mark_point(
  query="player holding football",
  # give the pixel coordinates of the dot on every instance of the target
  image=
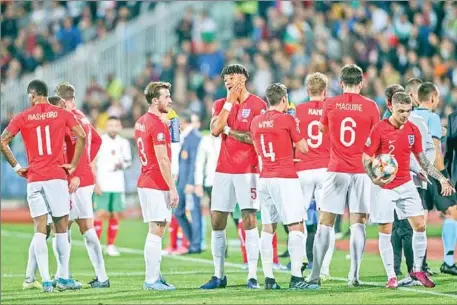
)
(236, 173)
(274, 133)
(312, 167)
(43, 129)
(156, 188)
(348, 118)
(81, 186)
(399, 137)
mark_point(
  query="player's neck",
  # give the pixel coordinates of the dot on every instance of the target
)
(394, 122)
(353, 90)
(244, 96)
(42, 101)
(276, 108)
(316, 98)
(154, 110)
(425, 105)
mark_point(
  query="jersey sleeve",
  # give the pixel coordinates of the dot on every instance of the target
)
(15, 125)
(217, 107)
(158, 134)
(324, 118)
(70, 119)
(262, 107)
(435, 126)
(375, 115)
(373, 141)
(293, 129)
(417, 145)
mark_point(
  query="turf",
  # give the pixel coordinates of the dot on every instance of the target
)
(187, 273)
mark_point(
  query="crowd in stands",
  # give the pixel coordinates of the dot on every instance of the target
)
(34, 33)
(277, 41)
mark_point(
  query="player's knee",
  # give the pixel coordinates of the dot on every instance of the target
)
(85, 225)
(115, 215)
(157, 228)
(269, 228)
(249, 219)
(218, 220)
(40, 224)
(385, 228)
(358, 218)
(327, 219)
(298, 226)
(61, 224)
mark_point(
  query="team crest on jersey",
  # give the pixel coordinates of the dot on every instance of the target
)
(161, 137)
(245, 113)
(411, 139)
(368, 143)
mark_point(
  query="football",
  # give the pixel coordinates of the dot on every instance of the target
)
(384, 166)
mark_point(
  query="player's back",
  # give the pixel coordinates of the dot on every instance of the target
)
(43, 128)
(271, 133)
(309, 115)
(350, 118)
(151, 131)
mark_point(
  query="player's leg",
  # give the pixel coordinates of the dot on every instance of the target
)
(397, 244)
(223, 202)
(332, 202)
(309, 183)
(382, 213)
(449, 237)
(156, 213)
(246, 193)
(117, 207)
(85, 221)
(196, 225)
(269, 217)
(359, 207)
(180, 214)
(101, 207)
(410, 206)
(238, 221)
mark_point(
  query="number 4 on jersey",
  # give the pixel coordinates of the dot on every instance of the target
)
(270, 154)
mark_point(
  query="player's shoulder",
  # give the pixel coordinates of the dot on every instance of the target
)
(257, 100)
(381, 124)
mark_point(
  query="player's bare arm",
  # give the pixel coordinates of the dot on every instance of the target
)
(165, 169)
(439, 162)
(6, 150)
(242, 136)
(302, 146)
(432, 171)
(77, 131)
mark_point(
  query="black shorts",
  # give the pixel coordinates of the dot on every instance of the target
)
(433, 198)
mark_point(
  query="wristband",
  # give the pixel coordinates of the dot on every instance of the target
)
(17, 167)
(228, 106)
(227, 130)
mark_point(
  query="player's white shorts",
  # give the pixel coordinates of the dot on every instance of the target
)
(155, 205)
(339, 188)
(281, 200)
(404, 199)
(229, 189)
(81, 203)
(48, 197)
(311, 181)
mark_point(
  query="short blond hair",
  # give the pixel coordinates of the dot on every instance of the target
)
(153, 90)
(316, 83)
(65, 90)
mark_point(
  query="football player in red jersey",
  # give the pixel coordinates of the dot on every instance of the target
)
(281, 198)
(348, 118)
(81, 186)
(156, 188)
(42, 127)
(399, 137)
(236, 174)
(312, 166)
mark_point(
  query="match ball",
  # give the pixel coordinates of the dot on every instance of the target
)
(384, 166)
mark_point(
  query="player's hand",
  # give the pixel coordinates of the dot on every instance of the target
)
(446, 188)
(189, 189)
(382, 181)
(23, 172)
(174, 198)
(234, 93)
(424, 176)
(198, 191)
(97, 190)
(74, 184)
(70, 168)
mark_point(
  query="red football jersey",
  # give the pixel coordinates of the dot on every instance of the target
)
(236, 157)
(399, 142)
(93, 143)
(150, 131)
(309, 115)
(349, 118)
(43, 130)
(273, 133)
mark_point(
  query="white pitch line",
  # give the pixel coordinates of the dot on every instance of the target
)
(228, 264)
